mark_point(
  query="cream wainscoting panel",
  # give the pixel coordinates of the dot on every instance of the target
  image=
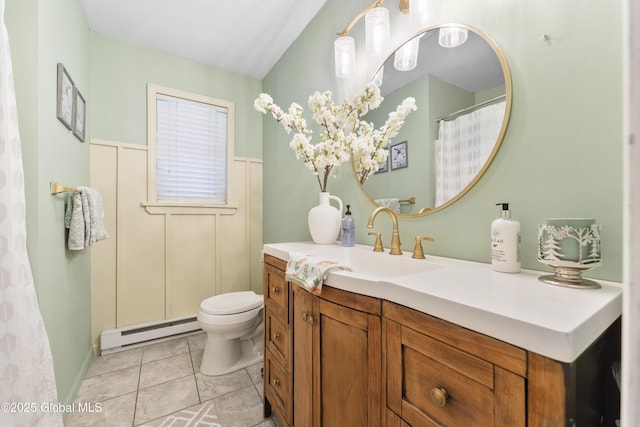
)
(104, 176)
(191, 262)
(141, 246)
(254, 196)
(161, 262)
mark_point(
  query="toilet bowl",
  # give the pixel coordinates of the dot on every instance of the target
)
(235, 329)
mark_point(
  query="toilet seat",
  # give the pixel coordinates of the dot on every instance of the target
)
(231, 303)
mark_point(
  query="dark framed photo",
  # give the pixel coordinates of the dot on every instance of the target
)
(79, 114)
(399, 156)
(383, 166)
(64, 109)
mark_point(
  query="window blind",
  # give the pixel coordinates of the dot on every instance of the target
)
(191, 151)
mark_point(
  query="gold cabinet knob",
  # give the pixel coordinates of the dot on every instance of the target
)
(275, 290)
(276, 336)
(275, 382)
(307, 317)
(439, 396)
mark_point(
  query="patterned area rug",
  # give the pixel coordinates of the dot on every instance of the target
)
(197, 416)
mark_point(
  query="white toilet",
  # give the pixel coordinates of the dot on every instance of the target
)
(235, 329)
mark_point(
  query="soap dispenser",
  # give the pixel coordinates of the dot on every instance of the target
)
(505, 242)
(348, 229)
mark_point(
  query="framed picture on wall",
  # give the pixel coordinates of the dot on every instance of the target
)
(64, 109)
(383, 166)
(79, 114)
(399, 156)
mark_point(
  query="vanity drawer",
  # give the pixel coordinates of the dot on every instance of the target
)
(277, 335)
(276, 290)
(432, 383)
(277, 386)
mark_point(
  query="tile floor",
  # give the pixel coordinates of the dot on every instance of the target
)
(160, 385)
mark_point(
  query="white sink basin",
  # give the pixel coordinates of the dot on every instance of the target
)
(375, 266)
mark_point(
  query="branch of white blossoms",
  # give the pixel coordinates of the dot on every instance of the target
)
(344, 133)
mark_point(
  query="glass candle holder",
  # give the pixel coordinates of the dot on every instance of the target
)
(570, 246)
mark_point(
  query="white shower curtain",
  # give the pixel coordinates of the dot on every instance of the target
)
(27, 385)
(462, 148)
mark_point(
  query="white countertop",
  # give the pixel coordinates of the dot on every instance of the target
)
(556, 322)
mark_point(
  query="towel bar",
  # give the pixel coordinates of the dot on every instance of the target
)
(57, 189)
(411, 200)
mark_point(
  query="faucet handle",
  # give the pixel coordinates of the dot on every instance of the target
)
(418, 253)
(377, 247)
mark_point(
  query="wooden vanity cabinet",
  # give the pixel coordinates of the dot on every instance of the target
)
(328, 369)
(344, 359)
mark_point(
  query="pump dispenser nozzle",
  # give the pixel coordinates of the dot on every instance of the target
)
(505, 210)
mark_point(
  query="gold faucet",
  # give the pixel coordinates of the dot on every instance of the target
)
(395, 238)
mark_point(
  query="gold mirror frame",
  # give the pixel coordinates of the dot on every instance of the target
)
(505, 121)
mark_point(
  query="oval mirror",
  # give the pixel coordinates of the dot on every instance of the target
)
(463, 95)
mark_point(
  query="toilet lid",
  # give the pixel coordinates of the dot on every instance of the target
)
(231, 303)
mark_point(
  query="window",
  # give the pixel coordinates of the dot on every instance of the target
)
(190, 147)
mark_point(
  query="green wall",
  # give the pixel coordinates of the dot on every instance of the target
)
(120, 73)
(43, 33)
(562, 153)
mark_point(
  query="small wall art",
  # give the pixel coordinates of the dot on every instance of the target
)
(399, 156)
(79, 114)
(64, 108)
(383, 166)
(71, 106)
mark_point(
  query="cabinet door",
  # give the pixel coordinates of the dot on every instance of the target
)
(337, 364)
(348, 372)
(302, 320)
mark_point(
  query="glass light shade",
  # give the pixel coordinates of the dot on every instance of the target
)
(377, 31)
(345, 56)
(452, 36)
(406, 58)
(421, 12)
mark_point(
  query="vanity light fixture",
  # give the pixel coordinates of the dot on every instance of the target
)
(406, 58)
(451, 37)
(421, 12)
(377, 34)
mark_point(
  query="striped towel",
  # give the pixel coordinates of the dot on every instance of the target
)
(309, 272)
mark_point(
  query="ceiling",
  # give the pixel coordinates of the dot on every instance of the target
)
(242, 36)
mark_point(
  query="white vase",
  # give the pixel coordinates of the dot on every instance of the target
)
(324, 220)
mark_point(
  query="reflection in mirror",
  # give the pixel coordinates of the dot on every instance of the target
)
(463, 96)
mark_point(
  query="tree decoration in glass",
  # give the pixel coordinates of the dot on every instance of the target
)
(570, 246)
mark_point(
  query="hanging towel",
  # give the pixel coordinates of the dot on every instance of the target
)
(309, 272)
(392, 203)
(84, 218)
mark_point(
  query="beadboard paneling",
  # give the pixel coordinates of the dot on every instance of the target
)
(160, 263)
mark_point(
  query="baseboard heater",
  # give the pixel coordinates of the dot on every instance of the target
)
(112, 340)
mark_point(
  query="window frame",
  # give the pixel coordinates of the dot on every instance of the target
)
(153, 92)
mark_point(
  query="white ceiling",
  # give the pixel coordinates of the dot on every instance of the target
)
(243, 36)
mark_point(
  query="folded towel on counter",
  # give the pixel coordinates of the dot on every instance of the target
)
(84, 217)
(309, 271)
(392, 203)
